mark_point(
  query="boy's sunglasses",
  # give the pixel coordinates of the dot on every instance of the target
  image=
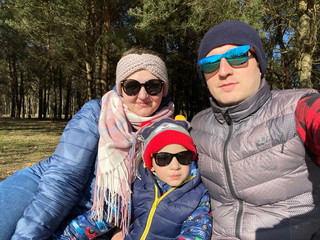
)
(164, 159)
(132, 87)
(235, 57)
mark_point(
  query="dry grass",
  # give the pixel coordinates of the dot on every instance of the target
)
(23, 142)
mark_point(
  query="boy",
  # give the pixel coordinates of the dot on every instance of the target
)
(169, 200)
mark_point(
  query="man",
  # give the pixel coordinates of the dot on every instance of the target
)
(258, 149)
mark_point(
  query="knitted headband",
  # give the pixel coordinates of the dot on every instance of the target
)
(232, 32)
(166, 131)
(131, 63)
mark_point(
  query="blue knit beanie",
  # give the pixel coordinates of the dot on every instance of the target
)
(232, 32)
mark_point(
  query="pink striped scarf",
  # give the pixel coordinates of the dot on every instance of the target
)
(117, 152)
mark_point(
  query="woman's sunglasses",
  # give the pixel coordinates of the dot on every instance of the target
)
(164, 159)
(235, 57)
(132, 87)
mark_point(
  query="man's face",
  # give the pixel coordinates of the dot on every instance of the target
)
(230, 85)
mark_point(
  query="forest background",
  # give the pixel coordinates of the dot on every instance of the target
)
(55, 54)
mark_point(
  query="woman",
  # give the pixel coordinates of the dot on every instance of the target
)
(94, 162)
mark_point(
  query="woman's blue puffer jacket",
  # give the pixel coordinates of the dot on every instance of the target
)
(67, 177)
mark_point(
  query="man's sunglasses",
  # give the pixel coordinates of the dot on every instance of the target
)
(132, 87)
(235, 57)
(164, 159)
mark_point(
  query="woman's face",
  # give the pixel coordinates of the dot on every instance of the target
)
(142, 103)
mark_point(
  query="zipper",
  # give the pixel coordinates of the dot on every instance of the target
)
(152, 211)
(227, 168)
(156, 202)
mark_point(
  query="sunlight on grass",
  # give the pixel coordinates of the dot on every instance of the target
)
(23, 142)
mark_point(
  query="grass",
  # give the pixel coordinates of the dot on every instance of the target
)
(23, 142)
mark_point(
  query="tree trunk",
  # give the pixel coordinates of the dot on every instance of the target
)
(14, 87)
(29, 107)
(89, 77)
(285, 79)
(103, 73)
(21, 107)
(68, 99)
(306, 41)
(45, 104)
(60, 94)
(104, 82)
(40, 101)
(89, 48)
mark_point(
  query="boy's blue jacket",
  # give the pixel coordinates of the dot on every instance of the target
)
(180, 213)
(67, 177)
(174, 213)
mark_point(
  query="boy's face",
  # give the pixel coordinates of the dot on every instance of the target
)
(174, 173)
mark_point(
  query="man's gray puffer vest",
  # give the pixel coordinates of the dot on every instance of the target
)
(262, 182)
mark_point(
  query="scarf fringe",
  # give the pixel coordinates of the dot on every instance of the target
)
(117, 197)
(117, 155)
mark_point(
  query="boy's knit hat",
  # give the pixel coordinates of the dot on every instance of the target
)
(232, 32)
(166, 131)
(134, 62)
